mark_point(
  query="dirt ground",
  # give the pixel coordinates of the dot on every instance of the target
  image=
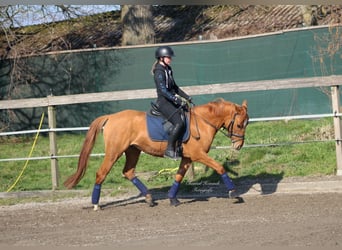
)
(272, 220)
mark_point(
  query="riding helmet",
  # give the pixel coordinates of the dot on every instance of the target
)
(164, 51)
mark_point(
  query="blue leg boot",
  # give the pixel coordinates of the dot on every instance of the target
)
(230, 186)
(144, 191)
(95, 197)
(172, 194)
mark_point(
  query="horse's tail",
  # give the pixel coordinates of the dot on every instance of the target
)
(88, 144)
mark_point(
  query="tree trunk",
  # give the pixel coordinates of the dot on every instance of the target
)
(309, 13)
(137, 23)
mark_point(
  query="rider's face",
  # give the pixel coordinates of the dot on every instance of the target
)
(167, 60)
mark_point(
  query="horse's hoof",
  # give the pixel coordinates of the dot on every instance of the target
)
(239, 200)
(174, 202)
(233, 194)
(149, 200)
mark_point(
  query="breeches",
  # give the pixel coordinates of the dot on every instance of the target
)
(173, 114)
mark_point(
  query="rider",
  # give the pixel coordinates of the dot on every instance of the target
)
(169, 104)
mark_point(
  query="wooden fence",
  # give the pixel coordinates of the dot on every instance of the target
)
(51, 101)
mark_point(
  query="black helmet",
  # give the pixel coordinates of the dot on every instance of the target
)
(164, 51)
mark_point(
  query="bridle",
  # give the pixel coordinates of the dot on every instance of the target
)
(230, 132)
(229, 129)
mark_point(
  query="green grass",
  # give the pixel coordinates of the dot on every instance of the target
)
(253, 161)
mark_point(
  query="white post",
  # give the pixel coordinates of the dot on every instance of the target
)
(338, 127)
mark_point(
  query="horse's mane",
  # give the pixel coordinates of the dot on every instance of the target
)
(216, 107)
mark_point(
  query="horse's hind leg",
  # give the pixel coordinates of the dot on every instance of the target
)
(101, 174)
(132, 157)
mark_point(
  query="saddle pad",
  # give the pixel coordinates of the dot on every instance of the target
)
(156, 129)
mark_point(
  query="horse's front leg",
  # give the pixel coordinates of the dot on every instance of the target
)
(206, 160)
(172, 194)
(141, 187)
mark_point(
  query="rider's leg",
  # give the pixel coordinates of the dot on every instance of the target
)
(174, 135)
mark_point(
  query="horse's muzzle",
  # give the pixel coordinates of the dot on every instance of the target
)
(238, 144)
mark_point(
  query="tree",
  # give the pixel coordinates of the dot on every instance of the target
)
(13, 60)
(137, 21)
(15, 21)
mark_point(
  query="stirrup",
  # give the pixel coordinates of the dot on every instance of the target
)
(179, 151)
(172, 155)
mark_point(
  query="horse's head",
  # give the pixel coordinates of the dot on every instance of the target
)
(236, 125)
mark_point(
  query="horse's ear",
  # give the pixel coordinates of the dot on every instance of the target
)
(244, 104)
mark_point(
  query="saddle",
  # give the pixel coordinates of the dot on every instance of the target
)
(158, 126)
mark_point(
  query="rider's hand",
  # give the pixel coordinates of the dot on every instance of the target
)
(184, 102)
(178, 101)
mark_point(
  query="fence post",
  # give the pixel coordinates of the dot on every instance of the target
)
(191, 172)
(335, 94)
(53, 147)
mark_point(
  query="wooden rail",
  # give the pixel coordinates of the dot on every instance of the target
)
(326, 81)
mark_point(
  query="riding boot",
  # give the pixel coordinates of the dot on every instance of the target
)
(171, 151)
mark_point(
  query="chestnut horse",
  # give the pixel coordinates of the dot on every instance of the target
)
(126, 132)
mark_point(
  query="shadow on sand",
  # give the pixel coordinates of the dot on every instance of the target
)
(209, 187)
